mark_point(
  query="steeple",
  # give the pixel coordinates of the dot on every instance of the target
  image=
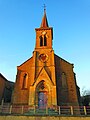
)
(44, 34)
(44, 22)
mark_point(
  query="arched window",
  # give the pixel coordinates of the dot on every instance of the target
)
(41, 41)
(25, 79)
(64, 80)
(45, 40)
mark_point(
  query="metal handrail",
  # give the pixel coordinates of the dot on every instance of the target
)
(51, 110)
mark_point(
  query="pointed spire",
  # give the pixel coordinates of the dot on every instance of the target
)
(44, 22)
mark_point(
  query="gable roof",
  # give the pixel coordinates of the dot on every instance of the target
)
(27, 61)
(63, 59)
(3, 77)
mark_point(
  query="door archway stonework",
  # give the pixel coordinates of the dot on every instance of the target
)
(42, 86)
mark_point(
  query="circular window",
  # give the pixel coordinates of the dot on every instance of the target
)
(43, 57)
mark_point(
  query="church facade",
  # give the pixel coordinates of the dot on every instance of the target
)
(45, 79)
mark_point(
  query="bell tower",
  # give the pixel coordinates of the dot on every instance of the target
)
(43, 56)
(44, 35)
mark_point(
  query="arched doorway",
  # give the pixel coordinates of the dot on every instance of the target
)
(42, 95)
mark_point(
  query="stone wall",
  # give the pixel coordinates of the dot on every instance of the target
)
(42, 118)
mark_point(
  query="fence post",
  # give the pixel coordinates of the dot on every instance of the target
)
(10, 109)
(34, 109)
(59, 110)
(46, 109)
(71, 110)
(85, 110)
(22, 110)
(2, 102)
(1, 106)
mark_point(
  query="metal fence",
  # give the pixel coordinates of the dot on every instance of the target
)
(52, 110)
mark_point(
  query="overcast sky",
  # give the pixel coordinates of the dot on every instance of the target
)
(70, 20)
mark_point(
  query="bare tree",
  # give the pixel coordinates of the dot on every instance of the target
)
(85, 97)
(85, 92)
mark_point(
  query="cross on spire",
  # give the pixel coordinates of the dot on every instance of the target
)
(44, 6)
(44, 22)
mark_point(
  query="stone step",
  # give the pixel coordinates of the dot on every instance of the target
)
(41, 112)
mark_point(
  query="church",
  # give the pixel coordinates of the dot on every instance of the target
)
(45, 79)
